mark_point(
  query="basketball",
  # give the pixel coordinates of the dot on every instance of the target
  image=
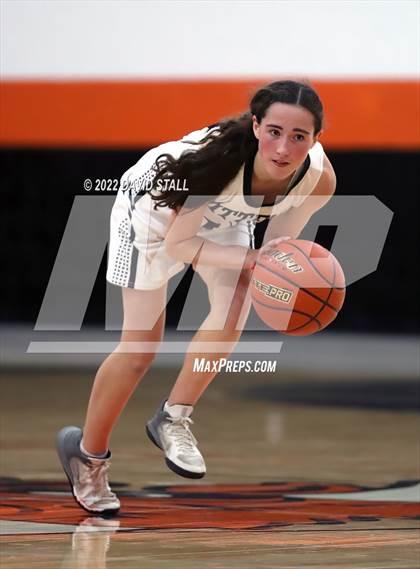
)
(298, 287)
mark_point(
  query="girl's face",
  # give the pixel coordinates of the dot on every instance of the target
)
(285, 136)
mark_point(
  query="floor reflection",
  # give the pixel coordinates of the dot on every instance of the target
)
(90, 544)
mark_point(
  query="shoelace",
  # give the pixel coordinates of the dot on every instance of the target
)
(96, 476)
(180, 430)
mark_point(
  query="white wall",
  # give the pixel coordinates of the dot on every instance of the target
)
(227, 39)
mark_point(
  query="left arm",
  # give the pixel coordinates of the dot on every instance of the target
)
(292, 222)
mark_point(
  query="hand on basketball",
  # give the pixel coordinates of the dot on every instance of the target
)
(254, 254)
(298, 287)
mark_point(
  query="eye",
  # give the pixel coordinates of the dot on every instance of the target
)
(299, 137)
(274, 132)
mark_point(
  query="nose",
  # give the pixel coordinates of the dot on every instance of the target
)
(282, 147)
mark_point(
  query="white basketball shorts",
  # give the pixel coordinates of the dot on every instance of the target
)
(137, 256)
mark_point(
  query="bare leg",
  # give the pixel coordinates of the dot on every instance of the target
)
(223, 324)
(120, 373)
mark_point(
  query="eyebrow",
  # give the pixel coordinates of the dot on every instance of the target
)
(294, 130)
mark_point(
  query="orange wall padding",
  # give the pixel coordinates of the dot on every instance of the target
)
(116, 114)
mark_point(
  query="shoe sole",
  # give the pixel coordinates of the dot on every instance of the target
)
(64, 461)
(171, 465)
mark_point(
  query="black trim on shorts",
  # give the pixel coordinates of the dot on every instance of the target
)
(133, 267)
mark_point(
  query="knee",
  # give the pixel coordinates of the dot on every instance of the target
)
(137, 363)
(141, 364)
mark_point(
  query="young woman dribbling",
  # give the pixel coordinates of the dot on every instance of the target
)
(266, 163)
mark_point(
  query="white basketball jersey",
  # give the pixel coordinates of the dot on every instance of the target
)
(137, 254)
(235, 205)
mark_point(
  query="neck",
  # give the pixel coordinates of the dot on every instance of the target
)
(262, 183)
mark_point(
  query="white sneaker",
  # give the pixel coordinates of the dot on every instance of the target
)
(169, 430)
(88, 476)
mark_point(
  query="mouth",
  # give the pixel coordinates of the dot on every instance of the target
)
(281, 163)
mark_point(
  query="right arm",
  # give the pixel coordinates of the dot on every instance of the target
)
(182, 243)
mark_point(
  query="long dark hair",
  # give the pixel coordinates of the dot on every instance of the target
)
(209, 169)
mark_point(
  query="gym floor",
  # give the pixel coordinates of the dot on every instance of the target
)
(305, 470)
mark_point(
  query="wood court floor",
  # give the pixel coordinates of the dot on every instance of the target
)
(289, 485)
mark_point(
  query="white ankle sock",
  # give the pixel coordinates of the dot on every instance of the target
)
(91, 454)
(178, 410)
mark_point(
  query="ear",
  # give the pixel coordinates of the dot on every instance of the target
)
(316, 138)
(256, 127)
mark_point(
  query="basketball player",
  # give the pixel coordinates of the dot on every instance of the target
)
(267, 162)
